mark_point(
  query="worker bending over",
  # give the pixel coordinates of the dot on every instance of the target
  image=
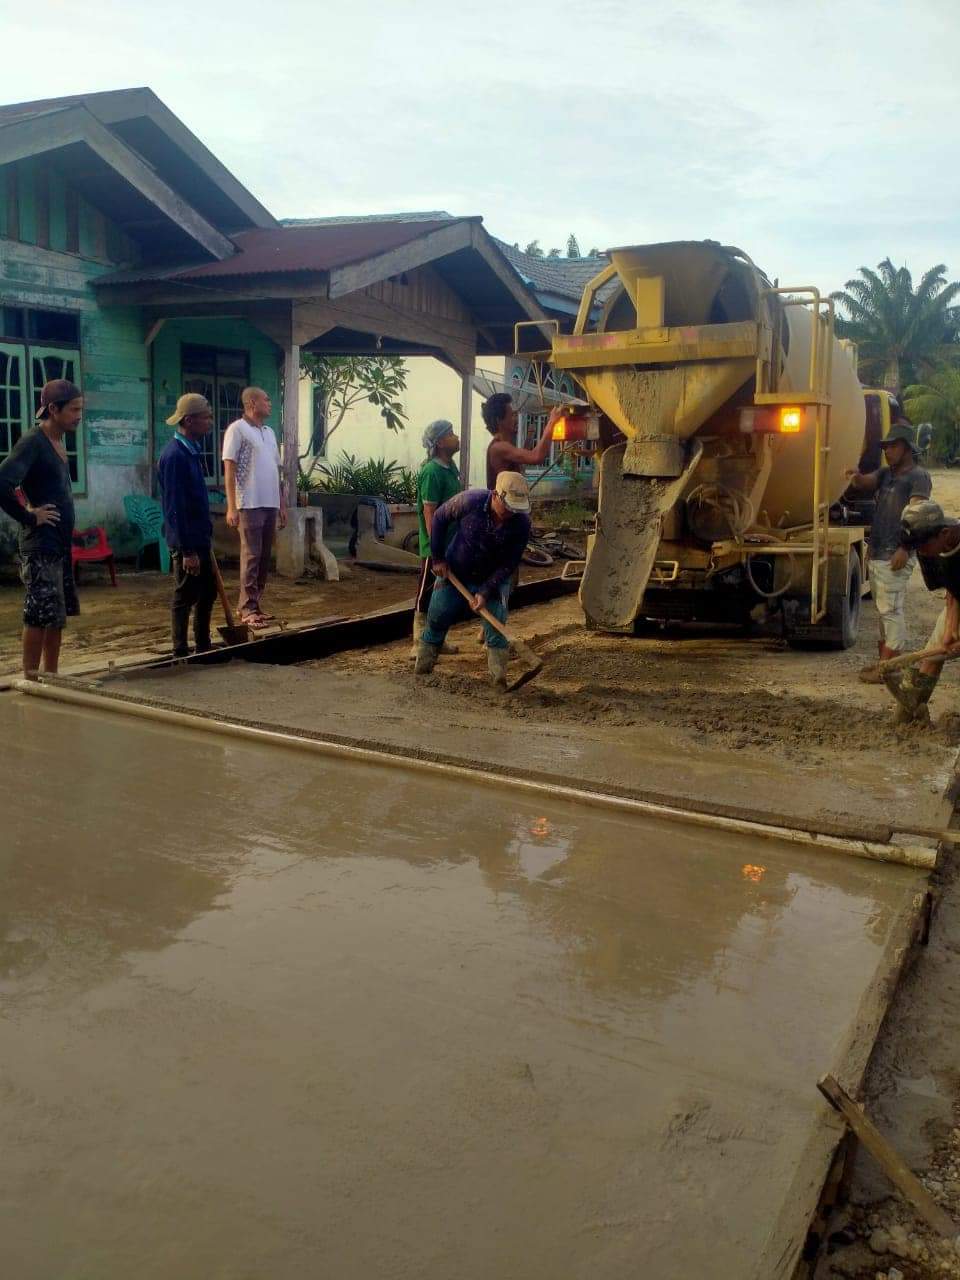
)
(935, 537)
(437, 480)
(479, 536)
(900, 481)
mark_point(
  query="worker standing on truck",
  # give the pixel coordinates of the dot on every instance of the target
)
(935, 538)
(39, 466)
(437, 480)
(503, 453)
(900, 481)
(479, 536)
(187, 526)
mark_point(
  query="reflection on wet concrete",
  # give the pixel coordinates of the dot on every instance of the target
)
(269, 1015)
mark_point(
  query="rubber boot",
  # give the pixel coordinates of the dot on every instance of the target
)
(419, 626)
(497, 666)
(912, 691)
(427, 655)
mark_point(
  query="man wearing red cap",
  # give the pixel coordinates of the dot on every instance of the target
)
(38, 466)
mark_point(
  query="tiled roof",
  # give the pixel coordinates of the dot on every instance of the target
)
(564, 277)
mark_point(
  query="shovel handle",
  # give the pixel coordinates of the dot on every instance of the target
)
(485, 614)
(221, 590)
(921, 655)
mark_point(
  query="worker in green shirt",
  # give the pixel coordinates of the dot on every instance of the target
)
(437, 481)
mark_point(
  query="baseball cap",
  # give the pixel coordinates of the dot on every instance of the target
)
(922, 520)
(58, 391)
(901, 431)
(192, 402)
(514, 491)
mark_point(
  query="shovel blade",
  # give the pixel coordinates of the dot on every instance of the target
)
(525, 676)
(239, 634)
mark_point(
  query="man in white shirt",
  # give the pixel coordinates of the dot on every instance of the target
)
(255, 499)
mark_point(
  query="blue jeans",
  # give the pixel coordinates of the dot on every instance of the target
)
(448, 606)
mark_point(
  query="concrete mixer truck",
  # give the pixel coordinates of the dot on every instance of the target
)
(734, 412)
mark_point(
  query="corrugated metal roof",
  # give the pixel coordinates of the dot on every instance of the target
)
(341, 220)
(277, 250)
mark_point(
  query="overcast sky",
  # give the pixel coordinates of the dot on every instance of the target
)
(816, 136)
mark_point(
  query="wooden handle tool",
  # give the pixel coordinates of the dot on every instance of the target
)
(532, 664)
(234, 632)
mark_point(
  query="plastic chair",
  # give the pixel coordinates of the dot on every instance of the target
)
(99, 551)
(147, 515)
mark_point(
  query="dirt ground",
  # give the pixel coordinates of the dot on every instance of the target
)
(135, 618)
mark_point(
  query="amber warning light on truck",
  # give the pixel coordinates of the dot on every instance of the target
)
(785, 420)
(575, 425)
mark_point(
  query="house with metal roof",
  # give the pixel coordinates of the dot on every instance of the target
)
(135, 263)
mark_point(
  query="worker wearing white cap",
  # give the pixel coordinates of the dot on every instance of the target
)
(479, 536)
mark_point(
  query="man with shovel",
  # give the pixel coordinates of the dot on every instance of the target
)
(187, 526)
(478, 537)
(935, 538)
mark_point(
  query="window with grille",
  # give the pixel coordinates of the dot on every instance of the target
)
(35, 347)
(540, 378)
(220, 375)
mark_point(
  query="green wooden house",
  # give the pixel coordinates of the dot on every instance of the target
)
(134, 263)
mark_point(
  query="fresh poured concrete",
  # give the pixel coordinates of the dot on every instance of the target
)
(268, 1015)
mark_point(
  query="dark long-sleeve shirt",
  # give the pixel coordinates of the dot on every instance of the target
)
(481, 551)
(183, 489)
(34, 466)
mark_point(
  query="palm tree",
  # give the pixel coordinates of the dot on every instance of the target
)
(902, 332)
(938, 401)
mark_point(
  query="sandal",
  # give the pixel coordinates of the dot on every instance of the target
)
(256, 621)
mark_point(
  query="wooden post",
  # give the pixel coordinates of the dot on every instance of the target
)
(291, 420)
(910, 1187)
(466, 415)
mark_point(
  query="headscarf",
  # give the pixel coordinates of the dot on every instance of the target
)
(434, 434)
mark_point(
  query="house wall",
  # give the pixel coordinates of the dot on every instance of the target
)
(433, 391)
(114, 367)
(231, 333)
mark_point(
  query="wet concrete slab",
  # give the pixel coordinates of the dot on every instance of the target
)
(263, 1014)
(855, 790)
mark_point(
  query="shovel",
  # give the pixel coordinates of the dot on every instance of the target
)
(534, 665)
(234, 632)
(921, 655)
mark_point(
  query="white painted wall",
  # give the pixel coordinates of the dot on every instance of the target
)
(433, 391)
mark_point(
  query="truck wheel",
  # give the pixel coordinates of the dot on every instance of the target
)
(839, 629)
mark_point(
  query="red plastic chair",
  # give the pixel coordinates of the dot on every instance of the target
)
(85, 551)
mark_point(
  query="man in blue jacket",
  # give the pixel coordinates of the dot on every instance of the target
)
(480, 536)
(186, 522)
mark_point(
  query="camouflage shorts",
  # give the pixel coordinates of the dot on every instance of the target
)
(51, 595)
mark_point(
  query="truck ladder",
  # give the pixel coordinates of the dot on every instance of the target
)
(817, 399)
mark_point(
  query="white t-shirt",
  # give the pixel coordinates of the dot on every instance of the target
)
(256, 455)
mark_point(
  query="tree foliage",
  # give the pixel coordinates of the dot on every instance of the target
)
(572, 251)
(347, 381)
(902, 332)
(938, 401)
